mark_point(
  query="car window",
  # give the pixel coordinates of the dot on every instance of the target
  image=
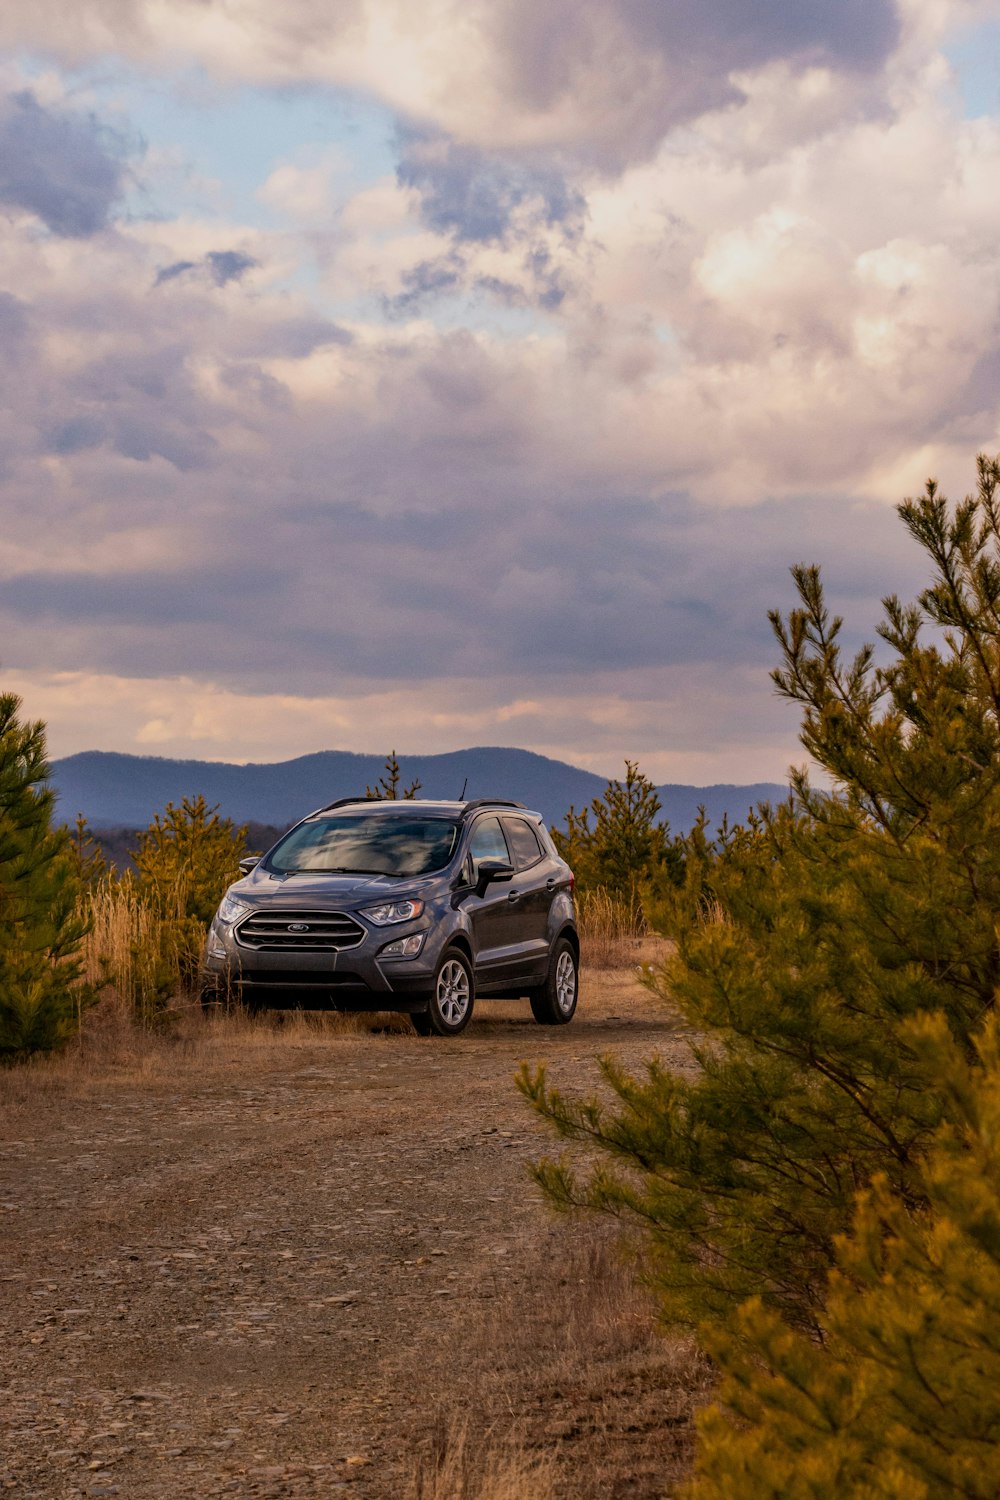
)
(523, 841)
(366, 843)
(487, 842)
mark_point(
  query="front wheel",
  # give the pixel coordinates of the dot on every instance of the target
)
(554, 1002)
(449, 1009)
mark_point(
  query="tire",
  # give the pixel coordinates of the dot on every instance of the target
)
(554, 1002)
(449, 1006)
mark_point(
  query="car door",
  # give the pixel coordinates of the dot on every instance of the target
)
(531, 894)
(493, 917)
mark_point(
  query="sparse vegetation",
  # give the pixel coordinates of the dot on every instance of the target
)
(575, 1389)
(389, 787)
(130, 951)
(625, 848)
(184, 862)
(42, 991)
(612, 929)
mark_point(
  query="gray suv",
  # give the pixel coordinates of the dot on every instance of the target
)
(422, 907)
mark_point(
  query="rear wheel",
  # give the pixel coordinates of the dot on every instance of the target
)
(554, 1002)
(449, 1009)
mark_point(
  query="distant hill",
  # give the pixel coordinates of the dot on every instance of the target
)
(124, 791)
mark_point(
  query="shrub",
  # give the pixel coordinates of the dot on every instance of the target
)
(901, 1398)
(42, 995)
(625, 846)
(806, 944)
(185, 860)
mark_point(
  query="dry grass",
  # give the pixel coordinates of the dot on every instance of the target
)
(459, 1469)
(123, 951)
(569, 1376)
(113, 1050)
(612, 929)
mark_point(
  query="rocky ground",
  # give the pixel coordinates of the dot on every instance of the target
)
(290, 1262)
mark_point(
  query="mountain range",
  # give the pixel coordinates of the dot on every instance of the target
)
(124, 791)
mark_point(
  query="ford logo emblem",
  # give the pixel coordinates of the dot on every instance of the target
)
(298, 926)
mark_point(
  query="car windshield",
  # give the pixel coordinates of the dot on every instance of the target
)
(360, 844)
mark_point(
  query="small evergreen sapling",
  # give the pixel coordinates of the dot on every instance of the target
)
(626, 845)
(42, 994)
(388, 788)
(87, 855)
(900, 1397)
(185, 860)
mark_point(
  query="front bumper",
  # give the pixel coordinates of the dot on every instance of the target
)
(356, 978)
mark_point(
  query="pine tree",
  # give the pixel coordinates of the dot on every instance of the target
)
(387, 788)
(42, 995)
(625, 845)
(808, 941)
(185, 860)
(87, 855)
(900, 1398)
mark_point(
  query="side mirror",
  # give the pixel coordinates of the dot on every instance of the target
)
(491, 870)
(250, 862)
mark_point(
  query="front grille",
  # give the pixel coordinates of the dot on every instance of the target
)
(319, 931)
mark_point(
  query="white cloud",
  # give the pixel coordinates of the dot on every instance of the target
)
(604, 77)
(241, 527)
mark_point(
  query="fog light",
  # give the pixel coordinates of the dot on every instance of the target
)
(216, 952)
(407, 947)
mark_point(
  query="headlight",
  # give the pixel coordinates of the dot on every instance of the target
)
(231, 908)
(392, 911)
(407, 947)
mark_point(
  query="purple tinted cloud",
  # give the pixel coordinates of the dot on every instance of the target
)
(221, 266)
(228, 265)
(171, 272)
(65, 167)
(851, 33)
(466, 192)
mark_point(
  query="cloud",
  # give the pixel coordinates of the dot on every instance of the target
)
(221, 267)
(66, 168)
(13, 322)
(466, 191)
(601, 80)
(598, 718)
(623, 383)
(426, 279)
(175, 269)
(228, 265)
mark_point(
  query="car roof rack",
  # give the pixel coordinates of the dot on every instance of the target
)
(468, 807)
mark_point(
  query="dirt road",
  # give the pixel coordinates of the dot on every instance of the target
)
(297, 1268)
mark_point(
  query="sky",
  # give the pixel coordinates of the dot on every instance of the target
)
(387, 375)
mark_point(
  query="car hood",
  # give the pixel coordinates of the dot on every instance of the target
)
(294, 890)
